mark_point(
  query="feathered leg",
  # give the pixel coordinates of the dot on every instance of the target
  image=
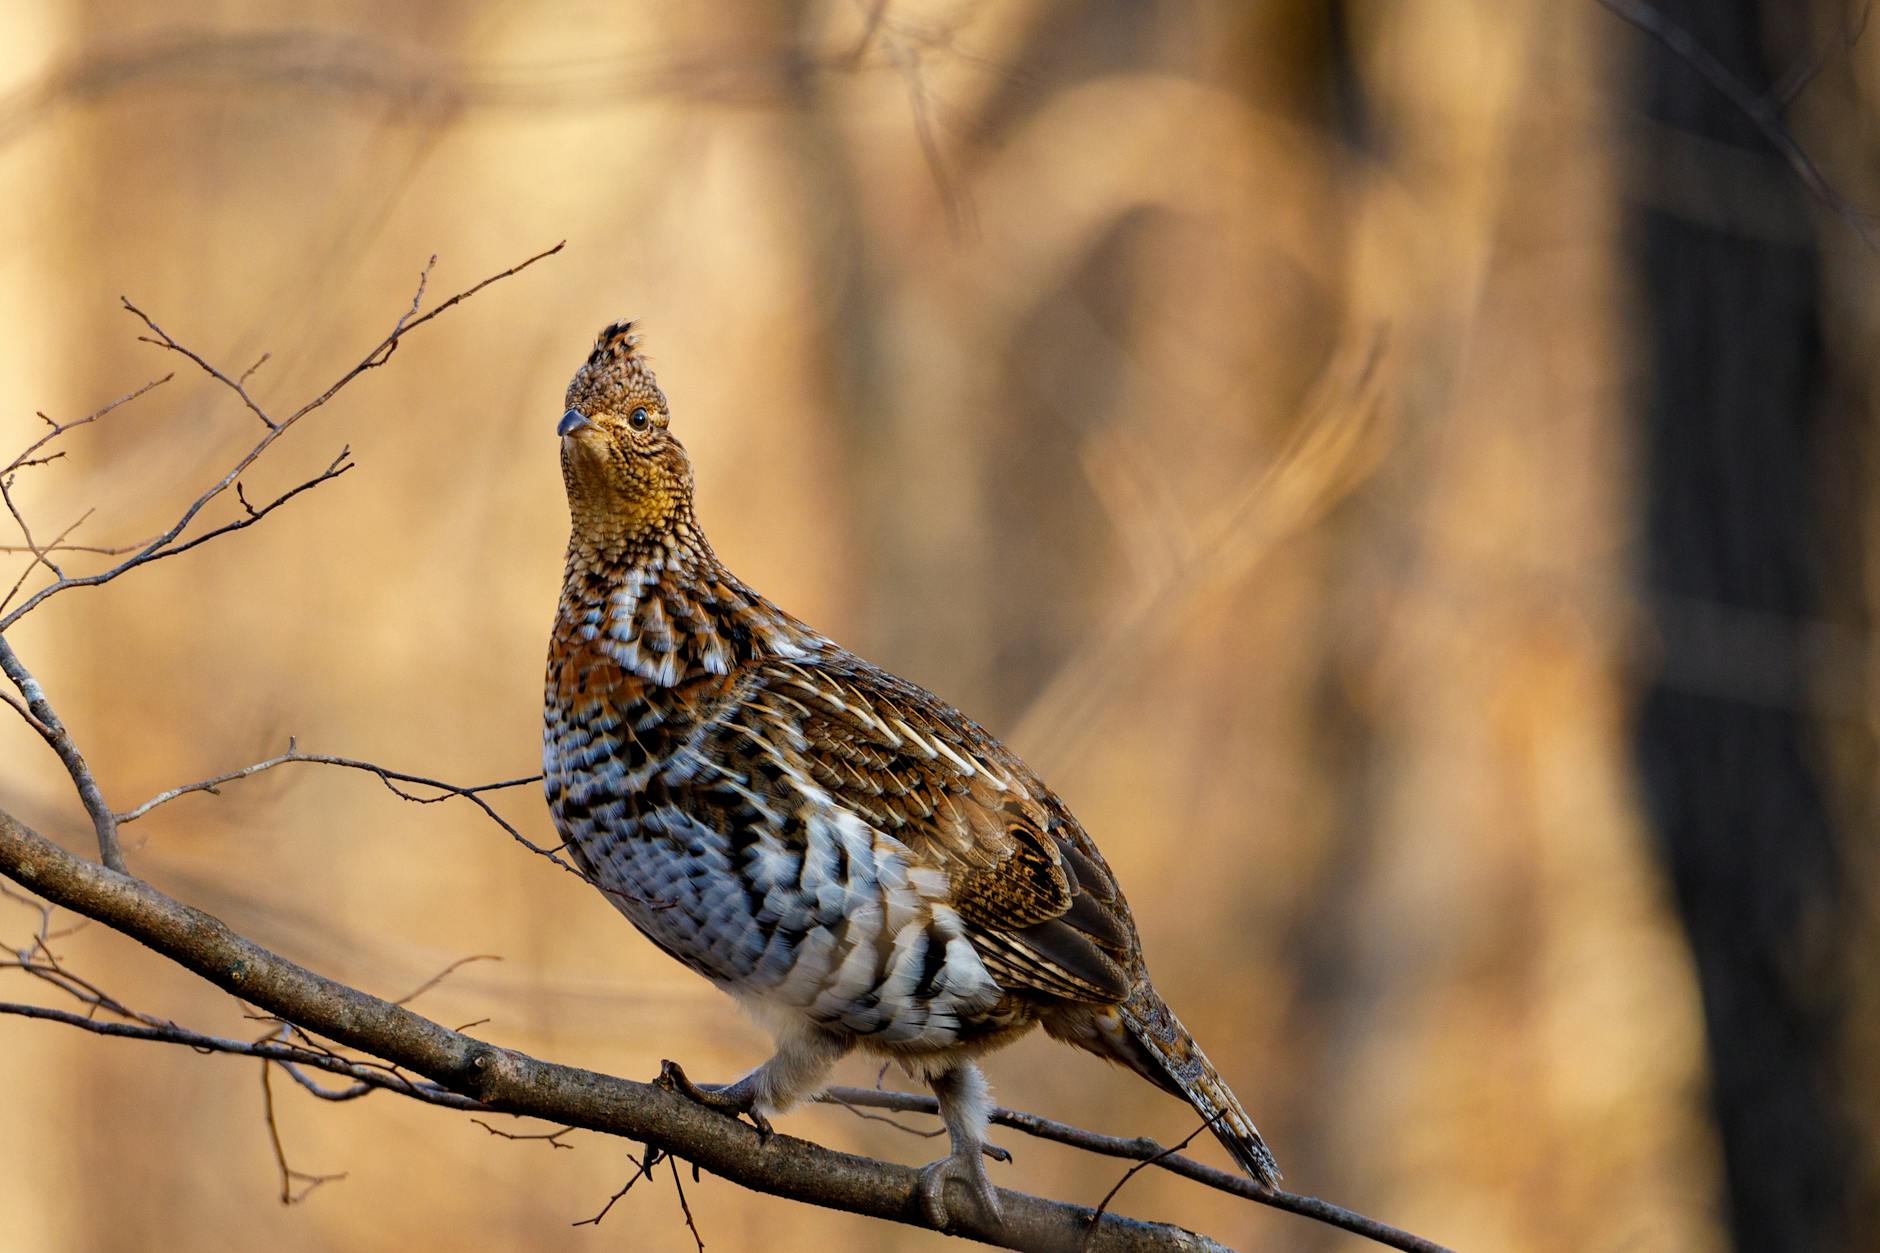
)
(797, 1071)
(964, 1106)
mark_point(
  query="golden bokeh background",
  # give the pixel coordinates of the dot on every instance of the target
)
(1258, 463)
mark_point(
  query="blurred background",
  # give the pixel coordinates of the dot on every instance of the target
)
(1403, 471)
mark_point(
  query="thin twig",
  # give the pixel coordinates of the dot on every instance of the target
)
(639, 1173)
(1103, 1206)
(1143, 1148)
(164, 544)
(429, 1093)
(60, 428)
(103, 550)
(162, 340)
(1762, 111)
(391, 779)
(288, 1173)
(685, 1208)
(444, 974)
(550, 1138)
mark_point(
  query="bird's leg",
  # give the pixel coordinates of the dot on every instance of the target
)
(798, 1070)
(964, 1106)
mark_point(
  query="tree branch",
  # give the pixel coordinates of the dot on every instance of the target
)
(1764, 112)
(104, 822)
(510, 1082)
(164, 545)
(1148, 1152)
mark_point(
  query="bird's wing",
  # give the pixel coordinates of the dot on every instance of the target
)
(1038, 903)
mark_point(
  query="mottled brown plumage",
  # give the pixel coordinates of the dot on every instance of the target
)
(854, 859)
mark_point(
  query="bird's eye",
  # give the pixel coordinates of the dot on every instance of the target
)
(638, 419)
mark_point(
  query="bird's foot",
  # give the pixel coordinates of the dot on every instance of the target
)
(966, 1165)
(729, 1099)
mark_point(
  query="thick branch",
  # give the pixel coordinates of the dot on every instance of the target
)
(513, 1083)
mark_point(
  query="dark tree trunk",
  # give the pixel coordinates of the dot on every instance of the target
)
(1731, 429)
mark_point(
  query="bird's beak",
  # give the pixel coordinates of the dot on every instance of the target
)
(572, 421)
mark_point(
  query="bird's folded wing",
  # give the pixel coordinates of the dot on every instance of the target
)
(1039, 905)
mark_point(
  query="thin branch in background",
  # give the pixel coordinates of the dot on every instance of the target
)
(896, 1123)
(639, 1173)
(29, 902)
(444, 974)
(1336, 445)
(20, 708)
(39, 551)
(161, 338)
(285, 1055)
(1144, 1148)
(165, 544)
(1796, 81)
(550, 1138)
(104, 550)
(391, 779)
(289, 1176)
(1764, 112)
(962, 219)
(250, 371)
(684, 1207)
(1103, 1206)
(871, 23)
(26, 457)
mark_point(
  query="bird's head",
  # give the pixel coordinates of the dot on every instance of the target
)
(627, 477)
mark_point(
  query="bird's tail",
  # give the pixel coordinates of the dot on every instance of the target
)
(1168, 1057)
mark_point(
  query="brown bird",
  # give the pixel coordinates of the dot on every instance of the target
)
(853, 859)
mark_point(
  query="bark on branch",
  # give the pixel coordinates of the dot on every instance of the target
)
(514, 1083)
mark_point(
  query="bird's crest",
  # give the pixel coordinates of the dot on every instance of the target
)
(616, 371)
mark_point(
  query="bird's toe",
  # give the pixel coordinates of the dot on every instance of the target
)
(969, 1168)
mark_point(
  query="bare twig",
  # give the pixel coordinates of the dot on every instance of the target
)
(1144, 1149)
(161, 338)
(20, 709)
(165, 544)
(684, 1207)
(289, 1176)
(289, 1055)
(391, 779)
(1103, 1206)
(46, 722)
(444, 974)
(550, 1138)
(639, 1173)
(1764, 112)
(60, 428)
(104, 550)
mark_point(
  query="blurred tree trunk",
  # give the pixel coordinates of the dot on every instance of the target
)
(1733, 431)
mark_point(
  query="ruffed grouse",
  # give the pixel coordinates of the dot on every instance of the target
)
(850, 857)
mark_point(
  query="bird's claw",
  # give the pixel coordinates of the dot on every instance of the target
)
(969, 1168)
(729, 1099)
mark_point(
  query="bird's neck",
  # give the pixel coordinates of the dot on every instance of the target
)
(660, 607)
